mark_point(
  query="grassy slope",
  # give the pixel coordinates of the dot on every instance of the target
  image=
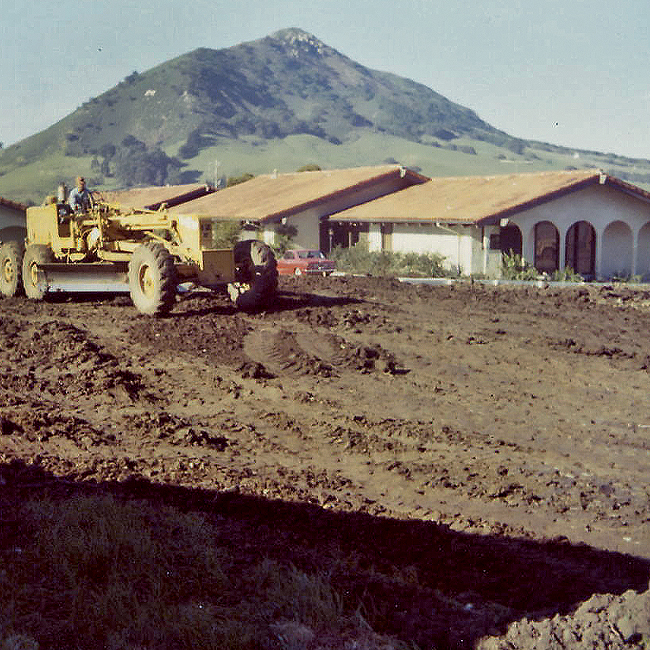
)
(238, 156)
(34, 181)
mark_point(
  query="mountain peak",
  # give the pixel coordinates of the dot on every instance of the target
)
(289, 83)
(297, 42)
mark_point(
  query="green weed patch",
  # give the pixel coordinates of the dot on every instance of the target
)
(99, 573)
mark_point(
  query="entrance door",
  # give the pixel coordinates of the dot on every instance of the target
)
(510, 239)
(387, 236)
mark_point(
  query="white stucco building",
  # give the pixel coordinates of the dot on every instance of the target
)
(597, 225)
(304, 200)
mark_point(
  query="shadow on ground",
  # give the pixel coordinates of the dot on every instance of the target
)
(416, 580)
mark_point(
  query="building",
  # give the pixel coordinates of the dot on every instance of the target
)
(305, 200)
(596, 224)
(12, 221)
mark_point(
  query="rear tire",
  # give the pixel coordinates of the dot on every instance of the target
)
(11, 269)
(152, 279)
(34, 255)
(256, 266)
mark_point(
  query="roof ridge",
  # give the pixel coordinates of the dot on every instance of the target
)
(546, 172)
(335, 170)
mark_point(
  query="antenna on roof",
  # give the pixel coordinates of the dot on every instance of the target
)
(216, 174)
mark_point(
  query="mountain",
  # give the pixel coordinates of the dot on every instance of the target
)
(284, 99)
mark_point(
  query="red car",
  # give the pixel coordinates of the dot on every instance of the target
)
(297, 262)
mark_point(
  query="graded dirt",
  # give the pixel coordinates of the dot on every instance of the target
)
(491, 444)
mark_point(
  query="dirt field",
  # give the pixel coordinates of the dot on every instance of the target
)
(493, 443)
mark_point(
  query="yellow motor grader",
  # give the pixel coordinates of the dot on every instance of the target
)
(147, 253)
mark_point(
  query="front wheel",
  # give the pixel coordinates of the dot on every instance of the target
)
(34, 255)
(152, 279)
(11, 271)
(257, 271)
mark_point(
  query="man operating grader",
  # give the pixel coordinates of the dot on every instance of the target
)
(79, 199)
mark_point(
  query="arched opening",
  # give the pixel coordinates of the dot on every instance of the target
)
(643, 253)
(580, 249)
(617, 251)
(510, 239)
(547, 247)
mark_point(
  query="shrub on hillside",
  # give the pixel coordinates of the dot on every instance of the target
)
(236, 180)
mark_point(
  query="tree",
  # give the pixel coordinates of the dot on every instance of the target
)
(135, 164)
(107, 152)
(132, 78)
(236, 180)
(517, 146)
(192, 145)
(225, 233)
(285, 233)
(131, 142)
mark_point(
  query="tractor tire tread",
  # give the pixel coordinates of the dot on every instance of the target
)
(11, 252)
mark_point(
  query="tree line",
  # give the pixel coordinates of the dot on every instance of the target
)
(132, 162)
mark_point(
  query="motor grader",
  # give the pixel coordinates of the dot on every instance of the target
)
(148, 253)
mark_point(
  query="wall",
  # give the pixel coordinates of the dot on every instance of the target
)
(308, 221)
(466, 247)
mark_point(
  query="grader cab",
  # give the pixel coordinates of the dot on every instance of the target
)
(147, 253)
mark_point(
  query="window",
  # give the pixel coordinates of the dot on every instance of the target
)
(510, 239)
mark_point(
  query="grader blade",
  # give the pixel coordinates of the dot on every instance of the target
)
(83, 277)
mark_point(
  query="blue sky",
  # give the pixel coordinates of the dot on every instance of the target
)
(569, 72)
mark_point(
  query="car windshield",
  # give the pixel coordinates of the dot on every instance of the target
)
(303, 255)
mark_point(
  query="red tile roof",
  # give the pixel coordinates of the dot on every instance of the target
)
(471, 199)
(13, 205)
(273, 196)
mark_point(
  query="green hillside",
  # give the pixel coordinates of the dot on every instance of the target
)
(276, 103)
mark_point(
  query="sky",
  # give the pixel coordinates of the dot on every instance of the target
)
(569, 72)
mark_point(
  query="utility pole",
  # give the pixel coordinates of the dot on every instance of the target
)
(216, 174)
